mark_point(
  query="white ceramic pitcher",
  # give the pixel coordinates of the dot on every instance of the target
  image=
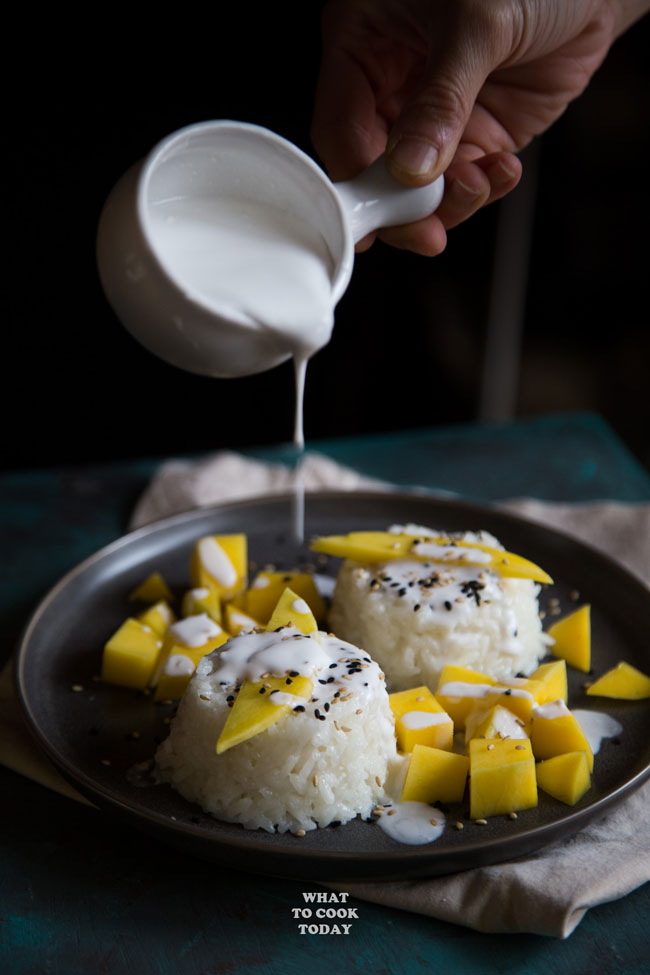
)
(235, 160)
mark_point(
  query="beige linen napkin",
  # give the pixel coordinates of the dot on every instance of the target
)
(546, 893)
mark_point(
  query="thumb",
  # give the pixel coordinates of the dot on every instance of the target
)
(424, 139)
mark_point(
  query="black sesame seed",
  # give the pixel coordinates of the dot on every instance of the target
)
(367, 660)
(321, 717)
(293, 673)
(337, 694)
(288, 681)
(447, 604)
(508, 692)
(316, 713)
(416, 607)
(262, 690)
(321, 681)
(326, 706)
(299, 707)
(401, 592)
(332, 666)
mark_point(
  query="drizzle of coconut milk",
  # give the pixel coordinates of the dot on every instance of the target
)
(596, 726)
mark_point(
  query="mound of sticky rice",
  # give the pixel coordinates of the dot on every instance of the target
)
(324, 761)
(414, 617)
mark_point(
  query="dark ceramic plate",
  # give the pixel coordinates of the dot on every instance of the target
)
(96, 735)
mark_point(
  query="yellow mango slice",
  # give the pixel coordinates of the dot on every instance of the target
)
(267, 587)
(555, 731)
(374, 547)
(237, 620)
(204, 599)
(152, 590)
(158, 617)
(131, 654)
(572, 636)
(502, 777)
(624, 683)
(420, 720)
(292, 610)
(220, 562)
(552, 677)
(435, 775)
(494, 722)
(254, 710)
(565, 777)
(190, 638)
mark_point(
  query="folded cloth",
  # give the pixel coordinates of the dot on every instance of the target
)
(545, 893)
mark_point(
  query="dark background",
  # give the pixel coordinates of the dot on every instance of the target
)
(410, 332)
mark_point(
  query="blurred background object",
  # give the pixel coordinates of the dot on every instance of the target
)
(556, 276)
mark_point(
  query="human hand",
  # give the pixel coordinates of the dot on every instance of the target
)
(453, 86)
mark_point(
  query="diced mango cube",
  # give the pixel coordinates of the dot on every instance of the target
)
(565, 777)
(152, 590)
(432, 728)
(554, 681)
(292, 610)
(502, 777)
(131, 655)
(459, 696)
(415, 699)
(267, 587)
(158, 617)
(204, 599)
(177, 668)
(494, 722)
(572, 636)
(237, 620)
(191, 638)
(254, 709)
(556, 730)
(435, 775)
(220, 562)
(623, 682)
(533, 687)
(420, 720)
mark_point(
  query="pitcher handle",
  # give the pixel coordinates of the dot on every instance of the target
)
(375, 199)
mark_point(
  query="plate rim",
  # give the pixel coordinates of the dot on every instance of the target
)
(569, 823)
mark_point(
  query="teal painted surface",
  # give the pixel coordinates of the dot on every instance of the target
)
(79, 893)
(86, 895)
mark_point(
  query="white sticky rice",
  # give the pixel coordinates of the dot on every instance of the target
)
(468, 616)
(309, 769)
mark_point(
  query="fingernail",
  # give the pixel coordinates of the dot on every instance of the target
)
(462, 193)
(417, 157)
(503, 173)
